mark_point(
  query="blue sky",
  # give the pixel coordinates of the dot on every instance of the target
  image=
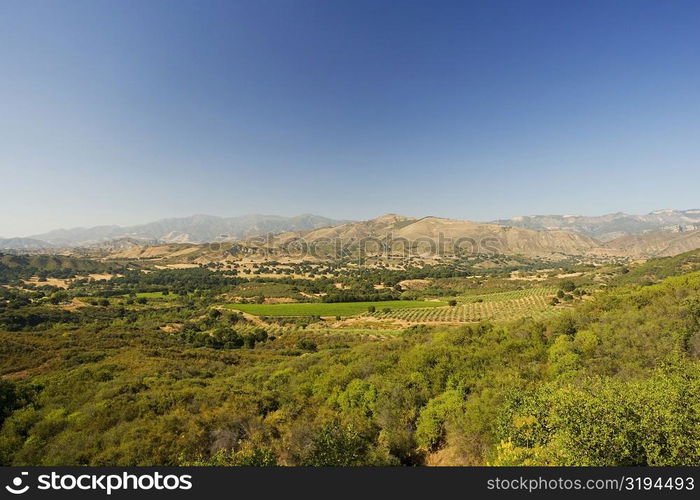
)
(122, 112)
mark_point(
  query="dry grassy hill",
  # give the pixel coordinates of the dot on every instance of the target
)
(424, 237)
(656, 244)
(430, 234)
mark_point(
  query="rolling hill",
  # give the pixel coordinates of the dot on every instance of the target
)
(429, 235)
(656, 244)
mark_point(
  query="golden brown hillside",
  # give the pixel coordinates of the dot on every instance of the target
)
(656, 244)
(433, 234)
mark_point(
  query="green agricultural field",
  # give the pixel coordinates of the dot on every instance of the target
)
(501, 306)
(509, 295)
(329, 308)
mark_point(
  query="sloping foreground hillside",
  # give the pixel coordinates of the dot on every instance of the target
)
(614, 382)
(655, 270)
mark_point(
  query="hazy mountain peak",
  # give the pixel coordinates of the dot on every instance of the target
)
(611, 226)
(199, 228)
(390, 218)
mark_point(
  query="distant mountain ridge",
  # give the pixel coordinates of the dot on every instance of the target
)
(26, 244)
(194, 229)
(659, 233)
(611, 226)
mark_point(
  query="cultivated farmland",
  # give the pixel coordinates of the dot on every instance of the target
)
(330, 308)
(502, 306)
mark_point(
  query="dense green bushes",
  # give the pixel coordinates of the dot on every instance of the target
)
(654, 421)
(613, 382)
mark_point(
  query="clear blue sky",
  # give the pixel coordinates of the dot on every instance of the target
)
(128, 111)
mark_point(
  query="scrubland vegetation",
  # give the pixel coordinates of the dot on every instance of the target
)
(563, 364)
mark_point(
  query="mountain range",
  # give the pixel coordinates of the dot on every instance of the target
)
(606, 228)
(431, 234)
(435, 234)
(659, 233)
(194, 229)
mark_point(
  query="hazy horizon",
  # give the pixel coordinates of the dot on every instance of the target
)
(129, 112)
(416, 215)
